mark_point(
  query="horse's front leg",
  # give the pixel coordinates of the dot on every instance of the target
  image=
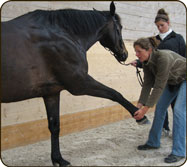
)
(52, 107)
(86, 85)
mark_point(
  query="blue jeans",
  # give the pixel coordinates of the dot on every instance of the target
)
(179, 119)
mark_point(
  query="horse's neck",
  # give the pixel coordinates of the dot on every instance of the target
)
(87, 28)
(90, 40)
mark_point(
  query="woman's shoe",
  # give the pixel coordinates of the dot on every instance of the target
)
(143, 121)
(172, 158)
(146, 147)
(165, 133)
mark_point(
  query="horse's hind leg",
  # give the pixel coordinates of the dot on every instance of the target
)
(52, 107)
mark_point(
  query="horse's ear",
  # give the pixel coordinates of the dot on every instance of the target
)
(112, 8)
(94, 9)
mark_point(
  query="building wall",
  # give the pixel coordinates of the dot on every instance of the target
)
(137, 20)
(137, 16)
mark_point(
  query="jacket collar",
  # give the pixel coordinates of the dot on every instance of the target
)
(151, 57)
(171, 35)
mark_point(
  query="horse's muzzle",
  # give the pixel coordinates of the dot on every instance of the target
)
(122, 57)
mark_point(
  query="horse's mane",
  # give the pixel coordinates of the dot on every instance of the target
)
(76, 21)
(72, 20)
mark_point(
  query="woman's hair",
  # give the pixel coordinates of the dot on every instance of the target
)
(161, 15)
(144, 43)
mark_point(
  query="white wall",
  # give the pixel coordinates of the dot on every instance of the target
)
(137, 16)
(137, 20)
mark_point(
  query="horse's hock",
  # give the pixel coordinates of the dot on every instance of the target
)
(25, 122)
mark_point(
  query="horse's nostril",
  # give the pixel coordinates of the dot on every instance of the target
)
(125, 55)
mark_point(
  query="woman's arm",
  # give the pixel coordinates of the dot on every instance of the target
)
(182, 46)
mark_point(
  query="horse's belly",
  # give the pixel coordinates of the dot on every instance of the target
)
(24, 78)
(17, 93)
(20, 84)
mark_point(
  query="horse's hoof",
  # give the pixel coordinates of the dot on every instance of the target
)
(143, 121)
(61, 163)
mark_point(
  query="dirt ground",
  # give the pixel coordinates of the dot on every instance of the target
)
(109, 145)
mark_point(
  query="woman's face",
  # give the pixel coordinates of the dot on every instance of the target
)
(162, 26)
(142, 54)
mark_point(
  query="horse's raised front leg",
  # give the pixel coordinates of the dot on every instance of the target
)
(88, 86)
(52, 107)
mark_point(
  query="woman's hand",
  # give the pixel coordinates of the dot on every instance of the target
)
(133, 63)
(140, 113)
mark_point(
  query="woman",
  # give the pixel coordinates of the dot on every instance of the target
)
(168, 40)
(162, 69)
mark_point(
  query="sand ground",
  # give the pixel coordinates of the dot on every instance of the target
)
(109, 145)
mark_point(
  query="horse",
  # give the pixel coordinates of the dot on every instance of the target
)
(44, 52)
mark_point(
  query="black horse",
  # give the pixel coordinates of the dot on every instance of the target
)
(44, 52)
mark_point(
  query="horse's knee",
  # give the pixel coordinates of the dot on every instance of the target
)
(54, 126)
(54, 131)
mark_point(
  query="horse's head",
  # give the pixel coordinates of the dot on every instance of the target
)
(112, 36)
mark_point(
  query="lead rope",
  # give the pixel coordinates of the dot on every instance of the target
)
(139, 77)
(140, 80)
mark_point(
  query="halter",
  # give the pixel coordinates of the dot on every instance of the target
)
(140, 80)
(116, 56)
(113, 18)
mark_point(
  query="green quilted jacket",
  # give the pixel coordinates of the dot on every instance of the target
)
(163, 67)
